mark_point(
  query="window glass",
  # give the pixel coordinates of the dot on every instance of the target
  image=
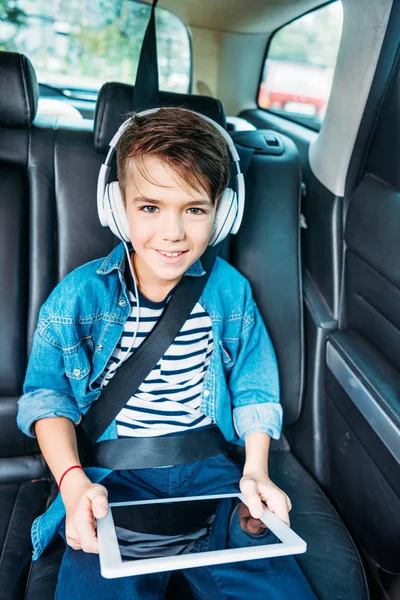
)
(299, 67)
(79, 44)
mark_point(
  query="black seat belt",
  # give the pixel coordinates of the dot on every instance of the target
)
(145, 92)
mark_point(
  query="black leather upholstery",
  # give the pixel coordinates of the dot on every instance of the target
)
(383, 380)
(115, 101)
(266, 250)
(19, 91)
(364, 464)
(20, 504)
(20, 499)
(13, 281)
(331, 564)
(59, 201)
(14, 258)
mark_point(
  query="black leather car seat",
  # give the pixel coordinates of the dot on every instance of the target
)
(23, 491)
(62, 212)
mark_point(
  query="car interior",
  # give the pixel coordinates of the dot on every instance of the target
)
(319, 244)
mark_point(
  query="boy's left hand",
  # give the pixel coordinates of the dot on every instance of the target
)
(257, 487)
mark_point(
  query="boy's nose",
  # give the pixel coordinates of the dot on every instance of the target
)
(172, 229)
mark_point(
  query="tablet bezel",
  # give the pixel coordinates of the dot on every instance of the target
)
(111, 564)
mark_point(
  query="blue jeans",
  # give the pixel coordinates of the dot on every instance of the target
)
(270, 578)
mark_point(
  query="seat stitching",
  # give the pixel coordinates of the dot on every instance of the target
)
(367, 262)
(381, 315)
(25, 90)
(358, 369)
(28, 580)
(9, 525)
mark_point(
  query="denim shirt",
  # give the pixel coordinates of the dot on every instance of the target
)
(81, 323)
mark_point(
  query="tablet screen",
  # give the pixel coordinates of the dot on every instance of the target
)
(154, 530)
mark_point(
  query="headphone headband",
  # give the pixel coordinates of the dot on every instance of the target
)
(115, 139)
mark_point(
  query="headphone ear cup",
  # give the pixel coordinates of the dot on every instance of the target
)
(224, 218)
(115, 210)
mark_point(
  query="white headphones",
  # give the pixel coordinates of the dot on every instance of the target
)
(111, 209)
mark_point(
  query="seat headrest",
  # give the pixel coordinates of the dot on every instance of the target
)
(19, 90)
(115, 102)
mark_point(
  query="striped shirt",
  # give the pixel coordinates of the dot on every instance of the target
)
(168, 400)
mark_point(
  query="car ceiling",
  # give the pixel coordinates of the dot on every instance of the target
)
(237, 16)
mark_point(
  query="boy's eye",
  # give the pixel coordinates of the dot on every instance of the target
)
(151, 207)
(196, 209)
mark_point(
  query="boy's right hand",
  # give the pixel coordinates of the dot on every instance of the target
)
(84, 501)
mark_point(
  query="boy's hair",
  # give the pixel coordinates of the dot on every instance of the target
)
(186, 142)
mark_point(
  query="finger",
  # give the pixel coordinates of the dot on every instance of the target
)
(85, 526)
(98, 496)
(71, 536)
(276, 502)
(74, 544)
(250, 489)
(287, 500)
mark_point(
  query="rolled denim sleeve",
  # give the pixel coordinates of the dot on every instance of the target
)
(46, 390)
(254, 380)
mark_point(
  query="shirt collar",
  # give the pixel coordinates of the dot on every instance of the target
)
(115, 261)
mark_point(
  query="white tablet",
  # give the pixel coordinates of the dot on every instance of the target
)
(150, 536)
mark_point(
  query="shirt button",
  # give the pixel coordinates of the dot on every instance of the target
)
(77, 372)
(99, 347)
(122, 302)
(207, 393)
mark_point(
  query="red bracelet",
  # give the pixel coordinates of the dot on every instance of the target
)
(65, 472)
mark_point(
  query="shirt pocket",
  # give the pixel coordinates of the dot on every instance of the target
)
(229, 350)
(76, 359)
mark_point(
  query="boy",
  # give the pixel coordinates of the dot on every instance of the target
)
(173, 167)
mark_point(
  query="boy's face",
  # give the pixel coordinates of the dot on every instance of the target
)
(165, 216)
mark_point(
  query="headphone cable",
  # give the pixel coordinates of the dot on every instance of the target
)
(137, 302)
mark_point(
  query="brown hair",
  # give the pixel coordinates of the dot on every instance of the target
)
(186, 142)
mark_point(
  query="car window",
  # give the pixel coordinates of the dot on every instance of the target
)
(78, 45)
(298, 70)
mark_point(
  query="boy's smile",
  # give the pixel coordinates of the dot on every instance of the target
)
(170, 225)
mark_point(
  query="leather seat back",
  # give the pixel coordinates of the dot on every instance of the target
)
(17, 110)
(267, 251)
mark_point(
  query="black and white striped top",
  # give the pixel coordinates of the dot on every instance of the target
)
(168, 400)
